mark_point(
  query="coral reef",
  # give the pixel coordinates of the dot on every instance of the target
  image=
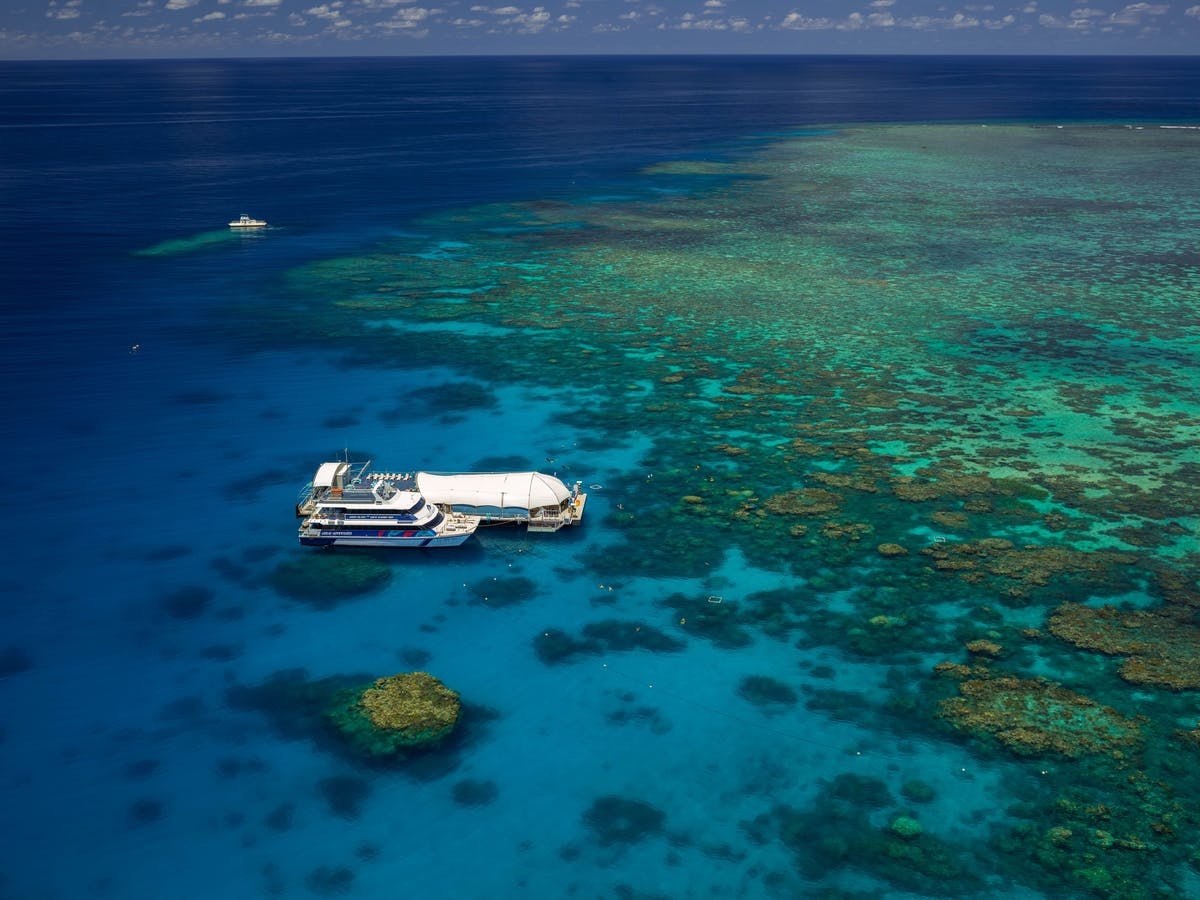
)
(1016, 571)
(1162, 645)
(835, 833)
(830, 370)
(402, 712)
(1036, 717)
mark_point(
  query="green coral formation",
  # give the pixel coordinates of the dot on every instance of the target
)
(402, 712)
(906, 827)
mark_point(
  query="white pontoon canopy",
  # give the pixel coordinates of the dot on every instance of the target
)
(499, 490)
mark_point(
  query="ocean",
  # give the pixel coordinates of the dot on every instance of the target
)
(881, 375)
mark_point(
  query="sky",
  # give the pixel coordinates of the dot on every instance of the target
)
(83, 29)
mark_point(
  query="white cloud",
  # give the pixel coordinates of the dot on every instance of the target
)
(143, 8)
(1192, 11)
(882, 4)
(262, 2)
(211, 17)
(797, 22)
(713, 4)
(690, 22)
(1132, 14)
(68, 10)
(332, 13)
(408, 21)
(532, 22)
(857, 21)
(180, 4)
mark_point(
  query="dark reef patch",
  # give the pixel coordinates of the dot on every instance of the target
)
(502, 464)
(837, 833)
(858, 791)
(145, 811)
(766, 692)
(325, 580)
(451, 397)
(330, 881)
(503, 591)
(711, 618)
(187, 602)
(622, 820)
(344, 795)
(222, 652)
(294, 705)
(281, 817)
(473, 792)
(342, 420)
(415, 658)
(13, 661)
(553, 645)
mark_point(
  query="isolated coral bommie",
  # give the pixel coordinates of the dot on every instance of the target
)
(405, 711)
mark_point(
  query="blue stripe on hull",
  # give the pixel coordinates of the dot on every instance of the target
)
(383, 539)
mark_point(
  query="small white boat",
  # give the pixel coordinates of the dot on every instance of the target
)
(345, 507)
(245, 221)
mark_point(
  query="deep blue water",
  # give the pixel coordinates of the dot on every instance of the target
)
(149, 492)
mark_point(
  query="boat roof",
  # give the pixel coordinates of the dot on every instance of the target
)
(527, 490)
(326, 473)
